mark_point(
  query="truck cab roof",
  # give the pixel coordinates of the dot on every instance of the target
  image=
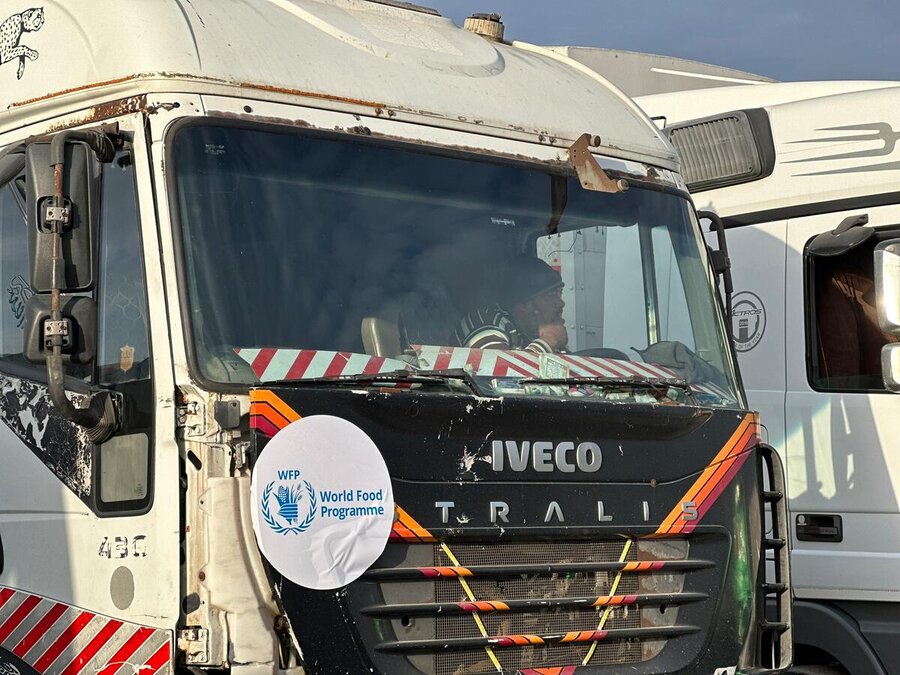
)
(372, 57)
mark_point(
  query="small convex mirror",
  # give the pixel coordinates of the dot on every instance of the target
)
(890, 367)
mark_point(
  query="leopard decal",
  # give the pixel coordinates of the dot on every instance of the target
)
(11, 32)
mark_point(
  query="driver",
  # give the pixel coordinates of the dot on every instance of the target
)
(528, 315)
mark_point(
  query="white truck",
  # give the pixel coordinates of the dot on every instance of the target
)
(806, 177)
(238, 431)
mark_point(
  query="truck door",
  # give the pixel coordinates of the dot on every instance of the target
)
(89, 534)
(841, 441)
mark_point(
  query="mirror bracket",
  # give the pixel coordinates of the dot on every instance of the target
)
(55, 218)
(589, 172)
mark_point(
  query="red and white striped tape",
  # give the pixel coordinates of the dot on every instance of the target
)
(58, 639)
(272, 364)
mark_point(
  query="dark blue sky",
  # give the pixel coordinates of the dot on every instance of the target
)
(784, 39)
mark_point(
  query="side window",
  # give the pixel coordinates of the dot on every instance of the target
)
(623, 282)
(845, 340)
(123, 352)
(14, 270)
(673, 319)
(122, 474)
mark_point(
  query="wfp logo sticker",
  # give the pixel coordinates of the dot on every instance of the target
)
(288, 496)
(323, 502)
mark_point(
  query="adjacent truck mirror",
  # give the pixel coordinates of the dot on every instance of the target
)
(887, 298)
(887, 285)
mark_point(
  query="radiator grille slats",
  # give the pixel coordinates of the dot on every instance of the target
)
(547, 616)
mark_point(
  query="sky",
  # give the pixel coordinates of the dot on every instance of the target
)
(782, 39)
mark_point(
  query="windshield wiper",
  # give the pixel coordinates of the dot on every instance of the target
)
(399, 376)
(657, 384)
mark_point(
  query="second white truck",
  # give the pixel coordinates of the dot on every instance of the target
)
(806, 177)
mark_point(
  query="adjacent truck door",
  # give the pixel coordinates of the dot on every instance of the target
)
(89, 563)
(841, 441)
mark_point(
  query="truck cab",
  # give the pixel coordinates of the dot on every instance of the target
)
(244, 425)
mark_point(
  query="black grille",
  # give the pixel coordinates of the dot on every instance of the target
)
(538, 622)
(553, 599)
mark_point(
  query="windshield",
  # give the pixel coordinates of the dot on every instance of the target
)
(308, 257)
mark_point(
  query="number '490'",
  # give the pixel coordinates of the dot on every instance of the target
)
(118, 548)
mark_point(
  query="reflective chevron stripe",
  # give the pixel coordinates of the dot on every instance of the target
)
(58, 639)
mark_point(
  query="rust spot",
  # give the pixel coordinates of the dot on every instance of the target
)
(312, 94)
(123, 106)
(103, 111)
(73, 90)
(187, 76)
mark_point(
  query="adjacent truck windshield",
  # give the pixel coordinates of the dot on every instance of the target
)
(308, 257)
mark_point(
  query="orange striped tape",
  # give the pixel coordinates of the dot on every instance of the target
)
(269, 413)
(408, 529)
(714, 478)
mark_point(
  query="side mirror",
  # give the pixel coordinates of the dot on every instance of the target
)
(78, 236)
(887, 285)
(887, 299)
(62, 197)
(720, 261)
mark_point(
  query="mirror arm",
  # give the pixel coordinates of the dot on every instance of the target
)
(99, 417)
(719, 227)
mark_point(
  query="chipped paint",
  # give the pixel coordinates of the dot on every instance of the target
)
(25, 408)
(467, 463)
